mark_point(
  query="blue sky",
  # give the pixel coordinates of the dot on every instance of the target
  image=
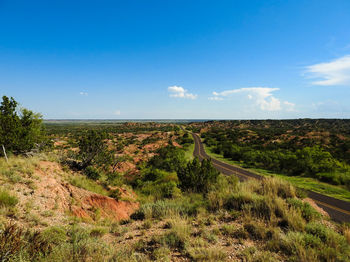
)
(177, 59)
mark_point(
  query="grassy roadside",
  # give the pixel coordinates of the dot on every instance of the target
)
(189, 151)
(301, 182)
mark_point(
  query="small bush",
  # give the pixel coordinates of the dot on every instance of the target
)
(162, 254)
(98, 232)
(207, 254)
(292, 220)
(317, 244)
(178, 235)
(116, 194)
(220, 191)
(241, 233)
(55, 235)
(197, 176)
(307, 211)
(6, 199)
(167, 208)
(228, 230)
(277, 187)
(92, 173)
(174, 240)
(331, 238)
(259, 208)
(147, 224)
(255, 230)
(238, 200)
(251, 254)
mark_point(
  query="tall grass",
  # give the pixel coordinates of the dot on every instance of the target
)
(18, 167)
(88, 184)
(7, 199)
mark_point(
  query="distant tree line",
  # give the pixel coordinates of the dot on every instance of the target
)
(67, 128)
(266, 149)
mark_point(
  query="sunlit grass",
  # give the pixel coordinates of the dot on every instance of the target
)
(306, 183)
(88, 184)
(189, 151)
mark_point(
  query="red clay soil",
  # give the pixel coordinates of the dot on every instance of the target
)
(49, 192)
(108, 208)
(125, 166)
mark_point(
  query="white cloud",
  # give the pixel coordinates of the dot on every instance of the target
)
(215, 98)
(289, 106)
(83, 94)
(336, 72)
(117, 113)
(262, 97)
(180, 92)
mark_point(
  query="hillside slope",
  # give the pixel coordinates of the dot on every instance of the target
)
(46, 196)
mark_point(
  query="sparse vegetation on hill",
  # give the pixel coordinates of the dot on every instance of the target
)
(152, 203)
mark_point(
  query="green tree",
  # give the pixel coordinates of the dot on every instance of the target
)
(197, 176)
(20, 129)
(313, 160)
(93, 149)
(168, 158)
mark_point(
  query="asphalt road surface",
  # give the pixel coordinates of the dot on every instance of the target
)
(338, 210)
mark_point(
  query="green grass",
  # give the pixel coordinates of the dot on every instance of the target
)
(6, 199)
(306, 183)
(88, 184)
(189, 152)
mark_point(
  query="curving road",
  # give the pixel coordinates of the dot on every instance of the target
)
(338, 210)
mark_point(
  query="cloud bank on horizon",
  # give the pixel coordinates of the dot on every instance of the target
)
(262, 97)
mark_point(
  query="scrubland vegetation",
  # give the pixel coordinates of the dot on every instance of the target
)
(318, 149)
(53, 205)
(250, 221)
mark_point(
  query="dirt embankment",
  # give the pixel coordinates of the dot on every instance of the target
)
(51, 200)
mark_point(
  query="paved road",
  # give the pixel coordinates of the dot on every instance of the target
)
(339, 210)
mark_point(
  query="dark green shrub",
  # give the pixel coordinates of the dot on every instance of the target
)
(92, 173)
(169, 158)
(138, 215)
(93, 149)
(197, 176)
(159, 183)
(116, 194)
(174, 240)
